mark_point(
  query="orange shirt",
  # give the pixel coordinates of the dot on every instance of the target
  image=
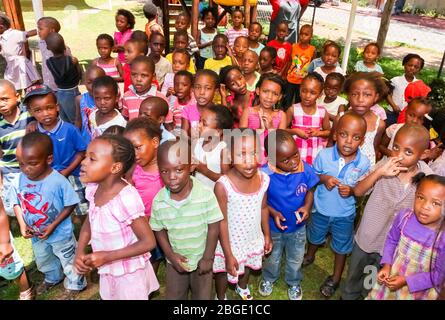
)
(301, 58)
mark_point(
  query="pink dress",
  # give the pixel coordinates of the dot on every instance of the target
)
(147, 184)
(230, 100)
(119, 40)
(310, 147)
(244, 223)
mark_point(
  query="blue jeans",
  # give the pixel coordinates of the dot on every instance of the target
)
(293, 245)
(66, 98)
(56, 260)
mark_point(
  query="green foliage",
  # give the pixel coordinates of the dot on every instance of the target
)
(437, 94)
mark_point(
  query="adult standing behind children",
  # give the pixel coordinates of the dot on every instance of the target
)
(289, 11)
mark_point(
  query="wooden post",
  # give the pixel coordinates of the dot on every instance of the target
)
(195, 18)
(14, 11)
(253, 13)
(384, 23)
(166, 25)
(246, 13)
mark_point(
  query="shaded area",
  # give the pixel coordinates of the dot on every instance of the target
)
(56, 5)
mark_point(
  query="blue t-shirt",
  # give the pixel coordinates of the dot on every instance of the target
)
(286, 194)
(317, 62)
(42, 201)
(329, 162)
(67, 142)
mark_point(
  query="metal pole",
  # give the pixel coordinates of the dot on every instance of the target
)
(37, 7)
(344, 64)
(441, 66)
(313, 16)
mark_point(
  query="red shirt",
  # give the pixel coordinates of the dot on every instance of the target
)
(127, 78)
(283, 53)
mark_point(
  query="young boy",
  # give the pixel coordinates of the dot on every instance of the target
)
(237, 29)
(180, 42)
(283, 47)
(240, 47)
(331, 100)
(183, 23)
(68, 145)
(255, 31)
(392, 190)
(221, 59)
(156, 108)
(290, 198)
(184, 201)
(132, 49)
(162, 65)
(339, 168)
(13, 121)
(302, 54)
(43, 202)
(181, 62)
(151, 13)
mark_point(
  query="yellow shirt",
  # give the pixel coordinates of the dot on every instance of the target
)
(191, 69)
(216, 65)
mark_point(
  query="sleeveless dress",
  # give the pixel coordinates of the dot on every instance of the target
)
(211, 158)
(110, 69)
(244, 223)
(368, 145)
(207, 52)
(310, 147)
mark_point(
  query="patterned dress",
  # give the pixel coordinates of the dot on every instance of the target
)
(245, 234)
(368, 146)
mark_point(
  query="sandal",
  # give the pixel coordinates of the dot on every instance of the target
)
(243, 293)
(307, 261)
(328, 287)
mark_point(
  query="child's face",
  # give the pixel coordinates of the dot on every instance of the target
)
(240, 46)
(105, 99)
(34, 162)
(209, 20)
(236, 82)
(282, 32)
(181, 42)
(150, 111)
(157, 45)
(208, 124)
(362, 96)
(182, 23)
(330, 56)
(371, 54)
(245, 157)
(204, 89)
(266, 61)
(182, 86)
(45, 110)
(131, 51)
(44, 29)
(122, 23)
(269, 94)
(310, 91)
(287, 156)
(349, 135)
(219, 47)
(428, 204)
(412, 67)
(409, 148)
(141, 77)
(305, 35)
(144, 147)
(104, 48)
(415, 113)
(98, 162)
(9, 99)
(179, 62)
(332, 88)
(254, 32)
(237, 19)
(249, 62)
(90, 76)
(175, 174)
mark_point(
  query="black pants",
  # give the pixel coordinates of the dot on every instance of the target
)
(292, 95)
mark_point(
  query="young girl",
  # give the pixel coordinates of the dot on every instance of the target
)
(210, 147)
(180, 62)
(369, 63)
(182, 98)
(330, 99)
(283, 48)
(267, 60)
(249, 65)
(111, 66)
(406, 259)
(309, 121)
(221, 59)
(255, 32)
(125, 22)
(180, 42)
(19, 69)
(237, 29)
(244, 232)
(117, 229)
(206, 35)
(330, 55)
(240, 47)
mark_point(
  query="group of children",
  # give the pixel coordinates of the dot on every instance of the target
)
(220, 170)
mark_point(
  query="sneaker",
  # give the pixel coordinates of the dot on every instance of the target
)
(244, 293)
(44, 287)
(265, 288)
(295, 293)
(27, 294)
(69, 294)
(225, 297)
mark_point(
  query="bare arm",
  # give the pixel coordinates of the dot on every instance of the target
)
(265, 225)
(383, 147)
(243, 121)
(391, 102)
(120, 69)
(176, 259)
(74, 164)
(84, 239)
(31, 33)
(283, 121)
(378, 138)
(64, 214)
(186, 126)
(5, 242)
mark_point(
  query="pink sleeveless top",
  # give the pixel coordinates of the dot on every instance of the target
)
(110, 69)
(148, 185)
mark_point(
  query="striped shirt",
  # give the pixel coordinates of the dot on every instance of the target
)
(186, 222)
(10, 135)
(232, 34)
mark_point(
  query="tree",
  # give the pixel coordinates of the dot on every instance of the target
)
(384, 22)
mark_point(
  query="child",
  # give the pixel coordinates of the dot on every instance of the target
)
(289, 198)
(415, 89)
(180, 42)
(133, 49)
(183, 23)
(249, 65)
(43, 202)
(237, 29)
(67, 74)
(318, 62)
(151, 13)
(14, 119)
(255, 32)
(68, 145)
(406, 258)
(330, 55)
(210, 147)
(331, 100)
(185, 201)
(111, 66)
(183, 87)
(283, 48)
(180, 61)
(339, 168)
(206, 35)
(241, 45)
(142, 74)
(302, 55)
(221, 59)
(245, 234)
(204, 88)
(369, 63)
(162, 65)
(267, 59)
(106, 97)
(125, 22)
(11, 264)
(393, 190)
(309, 121)
(156, 109)
(116, 227)
(19, 69)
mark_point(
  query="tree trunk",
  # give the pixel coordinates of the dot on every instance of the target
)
(384, 22)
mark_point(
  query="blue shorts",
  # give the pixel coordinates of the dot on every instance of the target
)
(12, 267)
(340, 228)
(156, 254)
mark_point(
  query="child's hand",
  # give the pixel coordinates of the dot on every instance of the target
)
(303, 213)
(383, 274)
(301, 133)
(31, 127)
(223, 92)
(345, 191)
(312, 132)
(232, 265)
(96, 259)
(267, 245)
(277, 218)
(205, 266)
(170, 91)
(5, 251)
(47, 232)
(27, 232)
(331, 183)
(179, 262)
(229, 51)
(392, 167)
(394, 283)
(79, 264)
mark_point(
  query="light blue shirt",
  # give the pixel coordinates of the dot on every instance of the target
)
(166, 135)
(329, 162)
(317, 63)
(258, 50)
(361, 67)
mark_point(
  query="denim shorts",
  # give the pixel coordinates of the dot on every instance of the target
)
(156, 254)
(340, 228)
(10, 180)
(82, 207)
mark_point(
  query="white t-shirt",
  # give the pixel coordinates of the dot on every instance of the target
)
(324, 75)
(332, 107)
(400, 83)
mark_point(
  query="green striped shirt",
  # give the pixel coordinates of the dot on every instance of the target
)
(186, 222)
